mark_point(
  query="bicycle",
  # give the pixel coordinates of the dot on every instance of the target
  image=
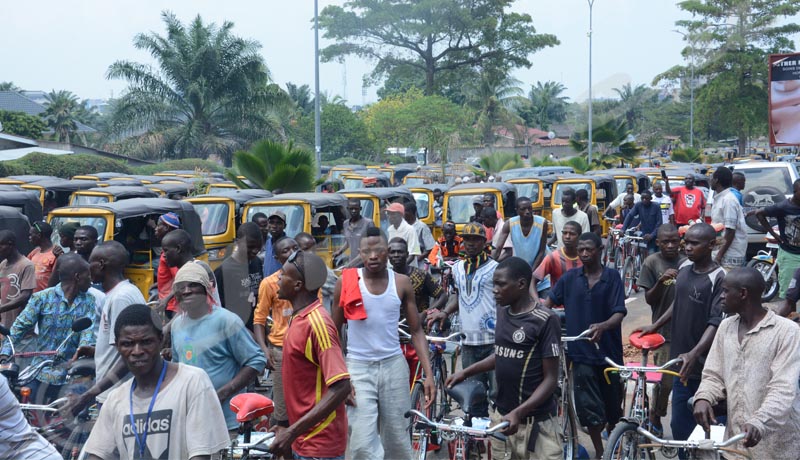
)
(696, 449)
(250, 444)
(567, 414)
(620, 447)
(460, 431)
(612, 251)
(633, 261)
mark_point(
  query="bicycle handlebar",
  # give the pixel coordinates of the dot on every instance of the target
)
(582, 336)
(493, 431)
(665, 367)
(54, 406)
(455, 337)
(704, 444)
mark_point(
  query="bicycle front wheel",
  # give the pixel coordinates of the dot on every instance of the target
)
(623, 444)
(628, 275)
(418, 403)
(569, 427)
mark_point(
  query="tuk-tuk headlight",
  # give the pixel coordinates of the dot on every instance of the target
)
(216, 254)
(118, 223)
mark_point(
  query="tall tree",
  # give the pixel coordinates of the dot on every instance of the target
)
(431, 37)
(492, 100)
(9, 86)
(301, 97)
(633, 101)
(272, 165)
(210, 94)
(61, 114)
(729, 41)
(611, 142)
(22, 124)
(546, 105)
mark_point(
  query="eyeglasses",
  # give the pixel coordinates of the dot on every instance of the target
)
(293, 260)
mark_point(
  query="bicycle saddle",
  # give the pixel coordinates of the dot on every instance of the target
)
(469, 394)
(250, 406)
(647, 342)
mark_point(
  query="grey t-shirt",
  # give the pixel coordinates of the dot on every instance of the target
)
(17, 438)
(122, 296)
(353, 231)
(653, 267)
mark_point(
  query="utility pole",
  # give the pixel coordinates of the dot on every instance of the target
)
(591, 4)
(691, 86)
(317, 127)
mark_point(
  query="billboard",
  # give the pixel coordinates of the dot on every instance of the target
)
(784, 99)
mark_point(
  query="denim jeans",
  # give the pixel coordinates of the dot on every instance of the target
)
(471, 354)
(378, 419)
(682, 422)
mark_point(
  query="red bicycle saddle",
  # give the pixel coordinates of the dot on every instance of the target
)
(250, 406)
(647, 342)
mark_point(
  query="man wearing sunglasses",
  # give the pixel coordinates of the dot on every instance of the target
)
(371, 303)
(311, 353)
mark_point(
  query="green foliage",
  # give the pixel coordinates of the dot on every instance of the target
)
(21, 124)
(271, 166)
(64, 166)
(545, 106)
(414, 120)
(61, 114)
(492, 99)
(9, 86)
(343, 132)
(496, 162)
(431, 38)
(687, 155)
(209, 94)
(179, 165)
(346, 161)
(611, 143)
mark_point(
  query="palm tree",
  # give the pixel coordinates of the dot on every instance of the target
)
(491, 165)
(546, 105)
(633, 101)
(687, 155)
(61, 114)
(492, 99)
(301, 97)
(272, 165)
(210, 94)
(612, 143)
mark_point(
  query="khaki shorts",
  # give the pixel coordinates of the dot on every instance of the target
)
(548, 443)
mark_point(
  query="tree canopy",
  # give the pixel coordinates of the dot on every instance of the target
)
(432, 37)
(21, 124)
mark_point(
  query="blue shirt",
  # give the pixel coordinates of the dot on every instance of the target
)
(219, 344)
(49, 308)
(271, 264)
(649, 216)
(737, 194)
(584, 307)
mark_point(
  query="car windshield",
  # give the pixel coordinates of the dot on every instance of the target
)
(422, 204)
(99, 223)
(295, 217)
(560, 187)
(530, 190)
(78, 200)
(213, 216)
(459, 208)
(776, 178)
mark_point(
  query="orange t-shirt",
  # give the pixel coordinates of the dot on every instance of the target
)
(43, 263)
(270, 305)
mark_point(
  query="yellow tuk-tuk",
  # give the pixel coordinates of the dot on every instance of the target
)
(364, 179)
(101, 176)
(302, 211)
(423, 195)
(26, 201)
(110, 194)
(220, 186)
(126, 221)
(24, 179)
(55, 193)
(458, 201)
(337, 172)
(375, 200)
(176, 191)
(220, 215)
(623, 177)
(415, 179)
(531, 187)
(601, 190)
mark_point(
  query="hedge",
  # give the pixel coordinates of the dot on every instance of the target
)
(64, 166)
(184, 164)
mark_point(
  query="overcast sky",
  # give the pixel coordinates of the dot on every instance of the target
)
(48, 45)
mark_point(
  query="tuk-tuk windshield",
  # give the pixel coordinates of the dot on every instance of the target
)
(622, 183)
(422, 204)
(99, 223)
(337, 174)
(530, 190)
(79, 200)
(459, 208)
(219, 188)
(213, 216)
(353, 183)
(295, 215)
(560, 187)
(411, 181)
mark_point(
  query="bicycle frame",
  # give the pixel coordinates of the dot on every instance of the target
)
(567, 413)
(694, 445)
(462, 434)
(639, 410)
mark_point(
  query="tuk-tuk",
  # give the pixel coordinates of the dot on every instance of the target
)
(12, 219)
(26, 201)
(55, 193)
(423, 195)
(101, 176)
(601, 190)
(330, 186)
(302, 211)
(364, 179)
(10, 188)
(120, 182)
(458, 201)
(144, 179)
(415, 179)
(216, 186)
(24, 179)
(220, 215)
(337, 172)
(374, 200)
(110, 194)
(533, 188)
(176, 191)
(623, 177)
(192, 174)
(126, 221)
(401, 171)
(520, 173)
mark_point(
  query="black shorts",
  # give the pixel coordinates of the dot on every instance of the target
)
(596, 402)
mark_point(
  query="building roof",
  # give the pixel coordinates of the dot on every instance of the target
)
(12, 101)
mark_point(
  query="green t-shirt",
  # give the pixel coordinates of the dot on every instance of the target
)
(653, 267)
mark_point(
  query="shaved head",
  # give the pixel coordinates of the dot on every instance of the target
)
(702, 232)
(748, 278)
(666, 229)
(114, 254)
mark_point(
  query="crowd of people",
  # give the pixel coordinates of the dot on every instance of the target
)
(165, 374)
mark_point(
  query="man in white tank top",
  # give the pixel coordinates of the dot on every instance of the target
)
(378, 370)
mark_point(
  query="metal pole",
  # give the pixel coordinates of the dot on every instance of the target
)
(317, 126)
(691, 100)
(591, 4)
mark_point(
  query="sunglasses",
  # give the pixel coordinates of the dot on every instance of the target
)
(293, 260)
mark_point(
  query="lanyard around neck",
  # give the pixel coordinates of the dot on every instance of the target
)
(142, 441)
